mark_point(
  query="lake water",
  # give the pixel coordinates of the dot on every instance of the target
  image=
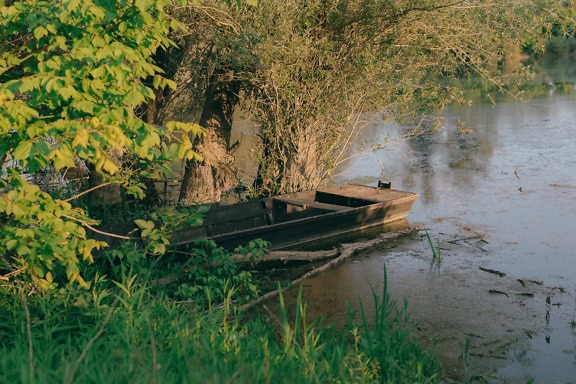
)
(498, 193)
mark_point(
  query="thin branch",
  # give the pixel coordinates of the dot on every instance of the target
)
(229, 22)
(87, 225)
(401, 14)
(10, 274)
(89, 190)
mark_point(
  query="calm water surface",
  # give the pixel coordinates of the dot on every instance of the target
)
(513, 180)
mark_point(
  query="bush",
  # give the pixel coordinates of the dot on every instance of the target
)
(130, 332)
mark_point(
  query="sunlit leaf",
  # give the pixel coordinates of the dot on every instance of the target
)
(11, 244)
(108, 166)
(144, 224)
(40, 32)
(63, 158)
(22, 151)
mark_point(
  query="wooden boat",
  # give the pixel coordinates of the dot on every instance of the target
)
(294, 219)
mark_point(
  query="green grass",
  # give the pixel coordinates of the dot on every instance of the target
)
(131, 332)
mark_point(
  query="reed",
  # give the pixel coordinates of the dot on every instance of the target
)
(129, 331)
(436, 254)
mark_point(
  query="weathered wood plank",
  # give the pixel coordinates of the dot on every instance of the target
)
(311, 204)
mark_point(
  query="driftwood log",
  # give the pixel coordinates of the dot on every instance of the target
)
(339, 254)
(286, 256)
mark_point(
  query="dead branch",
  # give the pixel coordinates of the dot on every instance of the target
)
(493, 271)
(87, 225)
(345, 251)
(285, 256)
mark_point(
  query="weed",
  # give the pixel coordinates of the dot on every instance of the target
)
(466, 357)
(436, 255)
(125, 330)
(573, 322)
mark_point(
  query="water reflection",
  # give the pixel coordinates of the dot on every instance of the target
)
(507, 172)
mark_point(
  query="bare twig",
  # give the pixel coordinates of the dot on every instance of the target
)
(10, 274)
(89, 190)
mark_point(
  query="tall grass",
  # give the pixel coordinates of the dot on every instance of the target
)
(132, 332)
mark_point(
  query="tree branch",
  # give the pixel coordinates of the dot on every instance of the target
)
(87, 225)
(345, 250)
(398, 15)
(89, 190)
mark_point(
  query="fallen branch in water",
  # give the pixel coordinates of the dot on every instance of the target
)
(345, 251)
(286, 256)
(492, 271)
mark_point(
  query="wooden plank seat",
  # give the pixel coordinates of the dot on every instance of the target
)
(305, 204)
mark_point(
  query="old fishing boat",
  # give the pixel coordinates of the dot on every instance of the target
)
(297, 218)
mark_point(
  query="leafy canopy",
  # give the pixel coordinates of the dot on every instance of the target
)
(72, 73)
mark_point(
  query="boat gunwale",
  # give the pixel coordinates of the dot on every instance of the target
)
(403, 199)
(411, 196)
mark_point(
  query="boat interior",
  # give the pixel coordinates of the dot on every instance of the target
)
(261, 212)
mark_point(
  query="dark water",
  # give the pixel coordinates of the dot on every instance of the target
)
(509, 177)
(497, 190)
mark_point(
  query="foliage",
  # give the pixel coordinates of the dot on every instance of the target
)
(322, 63)
(209, 273)
(201, 276)
(389, 324)
(129, 332)
(72, 73)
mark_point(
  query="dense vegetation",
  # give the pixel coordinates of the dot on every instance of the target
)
(100, 101)
(132, 331)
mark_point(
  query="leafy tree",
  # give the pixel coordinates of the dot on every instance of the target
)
(323, 62)
(72, 73)
(213, 63)
(307, 69)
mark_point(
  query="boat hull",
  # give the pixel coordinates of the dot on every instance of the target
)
(291, 220)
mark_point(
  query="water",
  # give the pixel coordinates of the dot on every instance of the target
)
(502, 197)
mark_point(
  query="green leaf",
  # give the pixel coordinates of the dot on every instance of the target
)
(22, 151)
(107, 165)
(40, 32)
(149, 141)
(85, 106)
(144, 224)
(63, 157)
(42, 148)
(141, 4)
(11, 244)
(68, 92)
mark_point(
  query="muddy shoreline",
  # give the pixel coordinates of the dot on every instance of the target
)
(480, 321)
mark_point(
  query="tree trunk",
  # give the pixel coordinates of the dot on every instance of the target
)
(104, 196)
(206, 180)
